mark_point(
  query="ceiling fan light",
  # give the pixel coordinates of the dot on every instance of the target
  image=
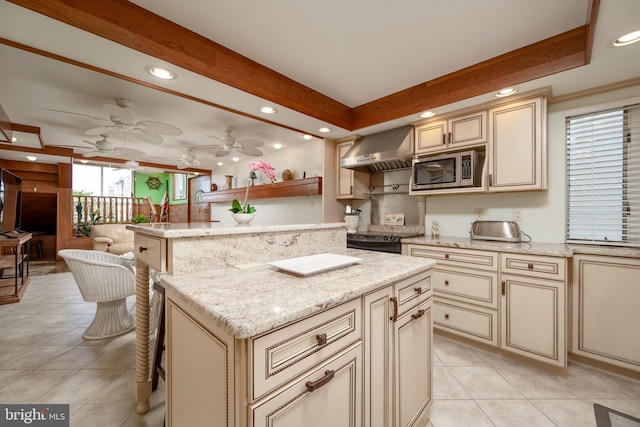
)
(84, 161)
(277, 146)
(161, 73)
(220, 163)
(627, 39)
(32, 158)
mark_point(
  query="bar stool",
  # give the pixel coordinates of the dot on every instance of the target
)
(158, 370)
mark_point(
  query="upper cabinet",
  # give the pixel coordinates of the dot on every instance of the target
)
(517, 153)
(444, 135)
(350, 184)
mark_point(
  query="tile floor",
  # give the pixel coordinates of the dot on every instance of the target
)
(43, 359)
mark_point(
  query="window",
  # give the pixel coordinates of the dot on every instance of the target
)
(101, 181)
(603, 177)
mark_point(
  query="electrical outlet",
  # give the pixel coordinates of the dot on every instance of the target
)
(479, 213)
(518, 215)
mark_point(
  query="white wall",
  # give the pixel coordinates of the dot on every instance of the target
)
(543, 212)
(288, 210)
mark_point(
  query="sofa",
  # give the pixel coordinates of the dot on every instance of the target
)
(112, 238)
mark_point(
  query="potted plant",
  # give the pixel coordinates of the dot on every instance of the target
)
(243, 213)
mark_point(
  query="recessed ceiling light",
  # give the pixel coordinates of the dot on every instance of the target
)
(161, 73)
(84, 162)
(427, 114)
(235, 159)
(628, 39)
(307, 136)
(277, 146)
(32, 158)
(14, 138)
(324, 130)
(267, 110)
(220, 163)
(506, 92)
(196, 173)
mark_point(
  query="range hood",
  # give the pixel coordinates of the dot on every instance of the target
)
(380, 152)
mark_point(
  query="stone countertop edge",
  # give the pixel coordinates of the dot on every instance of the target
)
(246, 301)
(194, 229)
(532, 248)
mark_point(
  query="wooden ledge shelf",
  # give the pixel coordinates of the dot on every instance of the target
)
(293, 188)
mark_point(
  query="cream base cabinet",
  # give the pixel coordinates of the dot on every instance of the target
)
(517, 146)
(398, 385)
(606, 318)
(350, 184)
(534, 307)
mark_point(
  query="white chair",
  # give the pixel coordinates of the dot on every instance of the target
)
(108, 280)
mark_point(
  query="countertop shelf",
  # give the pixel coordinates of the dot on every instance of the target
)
(293, 188)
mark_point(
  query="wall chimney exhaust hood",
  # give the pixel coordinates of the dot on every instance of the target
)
(380, 152)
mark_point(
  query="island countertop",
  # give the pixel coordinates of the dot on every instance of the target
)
(251, 299)
(199, 229)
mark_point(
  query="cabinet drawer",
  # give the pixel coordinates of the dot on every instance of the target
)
(475, 287)
(151, 250)
(412, 291)
(282, 354)
(546, 267)
(467, 258)
(475, 323)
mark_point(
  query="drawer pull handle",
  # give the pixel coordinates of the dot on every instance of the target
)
(141, 249)
(446, 283)
(446, 317)
(394, 301)
(418, 290)
(446, 256)
(444, 138)
(504, 287)
(530, 266)
(417, 315)
(314, 385)
(322, 339)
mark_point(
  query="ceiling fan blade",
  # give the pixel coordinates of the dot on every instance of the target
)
(101, 130)
(251, 143)
(128, 153)
(221, 153)
(77, 114)
(250, 151)
(149, 138)
(95, 144)
(119, 114)
(92, 154)
(159, 127)
(226, 140)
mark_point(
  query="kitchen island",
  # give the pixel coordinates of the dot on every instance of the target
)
(253, 345)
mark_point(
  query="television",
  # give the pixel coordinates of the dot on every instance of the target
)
(10, 202)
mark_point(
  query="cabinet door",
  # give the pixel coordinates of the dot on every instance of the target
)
(330, 395)
(517, 146)
(431, 137)
(533, 318)
(412, 365)
(606, 318)
(345, 176)
(378, 342)
(467, 130)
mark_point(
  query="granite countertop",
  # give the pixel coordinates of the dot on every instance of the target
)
(249, 300)
(195, 229)
(533, 248)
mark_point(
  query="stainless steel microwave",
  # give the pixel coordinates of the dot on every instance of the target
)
(453, 170)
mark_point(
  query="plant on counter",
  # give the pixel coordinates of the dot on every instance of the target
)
(259, 166)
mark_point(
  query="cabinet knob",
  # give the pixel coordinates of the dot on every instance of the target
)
(418, 290)
(322, 339)
(530, 266)
(141, 249)
(446, 283)
(449, 137)
(444, 139)
(446, 317)
(446, 256)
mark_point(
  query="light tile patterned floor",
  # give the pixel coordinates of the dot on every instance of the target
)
(44, 359)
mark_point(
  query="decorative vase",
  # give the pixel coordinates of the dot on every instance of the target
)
(243, 218)
(352, 223)
(229, 181)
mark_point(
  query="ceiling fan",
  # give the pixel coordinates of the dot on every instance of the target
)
(123, 121)
(188, 159)
(105, 148)
(226, 143)
(134, 166)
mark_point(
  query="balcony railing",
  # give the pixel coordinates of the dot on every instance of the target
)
(90, 210)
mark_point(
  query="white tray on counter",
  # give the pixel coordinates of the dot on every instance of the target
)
(314, 264)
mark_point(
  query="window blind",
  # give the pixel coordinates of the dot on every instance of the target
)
(603, 177)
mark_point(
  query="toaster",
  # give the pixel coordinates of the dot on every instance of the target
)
(503, 231)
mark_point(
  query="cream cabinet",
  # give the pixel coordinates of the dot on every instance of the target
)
(445, 135)
(533, 311)
(398, 385)
(606, 318)
(465, 285)
(351, 184)
(517, 154)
